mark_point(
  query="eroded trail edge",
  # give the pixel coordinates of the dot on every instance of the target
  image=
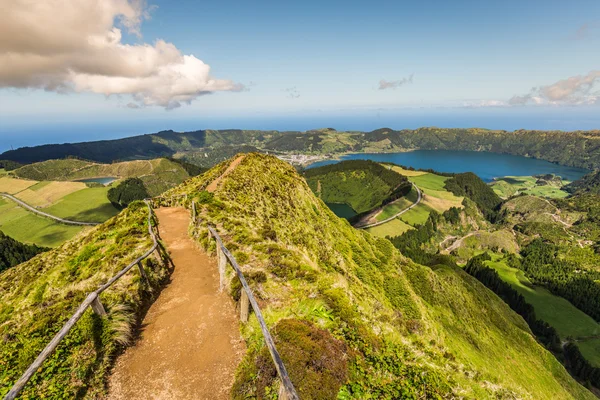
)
(190, 343)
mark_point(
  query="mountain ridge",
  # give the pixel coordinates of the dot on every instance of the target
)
(576, 148)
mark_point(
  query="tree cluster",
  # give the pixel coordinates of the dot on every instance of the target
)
(126, 192)
(490, 278)
(13, 252)
(563, 278)
(470, 185)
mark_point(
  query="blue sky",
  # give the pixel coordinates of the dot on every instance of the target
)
(320, 59)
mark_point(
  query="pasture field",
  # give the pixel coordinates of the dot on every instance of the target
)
(87, 205)
(393, 228)
(512, 185)
(558, 312)
(417, 215)
(3, 171)
(11, 186)
(44, 194)
(27, 227)
(407, 172)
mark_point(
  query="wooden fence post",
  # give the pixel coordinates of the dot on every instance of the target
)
(142, 272)
(282, 393)
(244, 306)
(98, 307)
(194, 211)
(222, 258)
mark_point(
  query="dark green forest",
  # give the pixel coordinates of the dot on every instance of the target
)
(127, 192)
(13, 252)
(589, 183)
(470, 185)
(564, 278)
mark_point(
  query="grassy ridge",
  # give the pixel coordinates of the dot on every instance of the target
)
(38, 296)
(410, 330)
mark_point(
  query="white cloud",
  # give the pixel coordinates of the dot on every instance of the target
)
(576, 90)
(383, 84)
(75, 45)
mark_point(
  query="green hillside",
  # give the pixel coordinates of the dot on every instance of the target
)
(38, 296)
(589, 183)
(579, 148)
(158, 175)
(361, 184)
(400, 330)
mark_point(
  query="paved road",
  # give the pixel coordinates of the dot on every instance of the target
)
(419, 198)
(43, 214)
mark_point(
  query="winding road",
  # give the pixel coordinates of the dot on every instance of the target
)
(416, 203)
(43, 214)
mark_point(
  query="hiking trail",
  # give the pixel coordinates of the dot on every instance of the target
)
(190, 343)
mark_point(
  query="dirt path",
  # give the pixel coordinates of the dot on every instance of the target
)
(190, 343)
(213, 185)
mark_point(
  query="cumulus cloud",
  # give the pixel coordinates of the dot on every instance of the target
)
(576, 90)
(76, 45)
(383, 84)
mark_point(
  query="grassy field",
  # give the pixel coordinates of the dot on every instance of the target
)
(435, 197)
(30, 228)
(12, 186)
(44, 194)
(87, 205)
(558, 312)
(393, 228)
(417, 215)
(69, 200)
(512, 185)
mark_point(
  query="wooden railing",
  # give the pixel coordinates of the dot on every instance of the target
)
(286, 391)
(93, 301)
(247, 300)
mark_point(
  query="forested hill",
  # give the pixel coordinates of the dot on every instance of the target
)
(204, 147)
(590, 183)
(13, 252)
(361, 184)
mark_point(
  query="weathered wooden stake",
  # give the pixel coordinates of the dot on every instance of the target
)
(194, 211)
(142, 272)
(222, 265)
(244, 306)
(97, 307)
(282, 393)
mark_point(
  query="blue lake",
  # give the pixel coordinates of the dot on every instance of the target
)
(105, 181)
(486, 165)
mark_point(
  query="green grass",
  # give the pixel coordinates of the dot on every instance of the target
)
(430, 181)
(417, 215)
(3, 171)
(393, 209)
(399, 320)
(511, 185)
(38, 296)
(591, 350)
(87, 205)
(558, 312)
(27, 227)
(393, 228)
